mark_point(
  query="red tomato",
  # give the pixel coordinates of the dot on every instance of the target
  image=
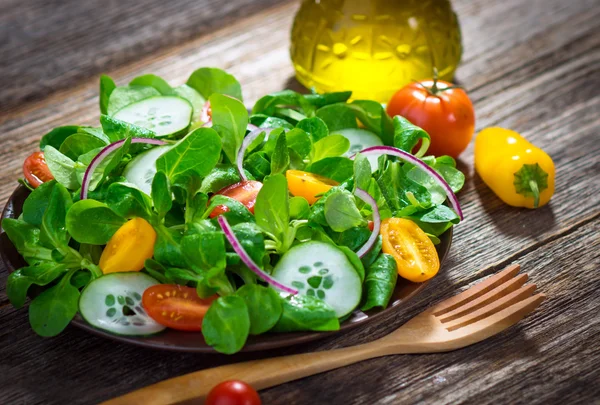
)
(244, 191)
(446, 113)
(371, 225)
(233, 392)
(36, 170)
(176, 306)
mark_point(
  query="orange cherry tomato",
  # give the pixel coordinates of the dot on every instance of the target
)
(244, 191)
(308, 185)
(233, 392)
(444, 111)
(412, 249)
(176, 306)
(36, 170)
(129, 247)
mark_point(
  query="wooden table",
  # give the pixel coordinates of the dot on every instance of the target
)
(530, 65)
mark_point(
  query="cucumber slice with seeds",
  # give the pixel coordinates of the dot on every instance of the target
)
(165, 115)
(321, 270)
(114, 303)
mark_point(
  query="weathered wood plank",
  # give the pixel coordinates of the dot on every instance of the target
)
(95, 36)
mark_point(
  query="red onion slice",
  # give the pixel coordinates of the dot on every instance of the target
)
(87, 177)
(366, 197)
(239, 160)
(237, 246)
(407, 157)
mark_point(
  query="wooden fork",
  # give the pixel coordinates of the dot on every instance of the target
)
(482, 311)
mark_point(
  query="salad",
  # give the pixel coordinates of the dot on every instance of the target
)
(183, 210)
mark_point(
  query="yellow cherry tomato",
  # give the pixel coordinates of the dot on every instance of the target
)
(415, 254)
(308, 185)
(521, 174)
(129, 247)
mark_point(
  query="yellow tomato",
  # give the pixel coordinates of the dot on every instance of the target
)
(129, 247)
(412, 249)
(308, 185)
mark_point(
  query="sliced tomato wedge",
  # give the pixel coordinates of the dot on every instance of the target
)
(36, 170)
(176, 306)
(412, 249)
(244, 192)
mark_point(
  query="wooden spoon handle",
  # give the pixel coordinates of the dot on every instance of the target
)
(258, 373)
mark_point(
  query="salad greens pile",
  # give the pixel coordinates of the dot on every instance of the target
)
(162, 153)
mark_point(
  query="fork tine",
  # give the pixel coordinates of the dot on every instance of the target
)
(476, 291)
(498, 292)
(501, 320)
(490, 309)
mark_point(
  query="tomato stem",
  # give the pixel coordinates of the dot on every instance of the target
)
(434, 90)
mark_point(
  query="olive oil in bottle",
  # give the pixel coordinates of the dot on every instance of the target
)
(373, 47)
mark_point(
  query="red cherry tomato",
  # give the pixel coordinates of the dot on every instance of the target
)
(444, 111)
(233, 393)
(36, 170)
(176, 306)
(244, 191)
(371, 225)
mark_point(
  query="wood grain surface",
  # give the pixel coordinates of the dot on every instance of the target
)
(530, 65)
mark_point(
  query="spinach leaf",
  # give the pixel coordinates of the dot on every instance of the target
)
(221, 176)
(182, 159)
(395, 186)
(117, 129)
(330, 146)
(321, 100)
(337, 116)
(128, 201)
(167, 249)
(380, 282)
(226, 324)
(153, 81)
(353, 238)
(52, 310)
(355, 261)
(162, 197)
(299, 142)
(435, 220)
(272, 210)
(270, 103)
(205, 251)
(93, 222)
(56, 137)
(372, 254)
(79, 144)
(362, 172)
(195, 99)
(209, 81)
(335, 168)
(26, 238)
(264, 121)
(258, 165)
(407, 135)
(124, 95)
(315, 127)
(61, 167)
(341, 212)
(108, 165)
(41, 274)
(236, 211)
(36, 204)
(264, 307)
(375, 119)
(299, 208)
(305, 313)
(107, 85)
(375, 191)
(280, 158)
(230, 119)
(53, 227)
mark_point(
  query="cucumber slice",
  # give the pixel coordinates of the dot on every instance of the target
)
(114, 303)
(361, 139)
(141, 170)
(165, 115)
(322, 270)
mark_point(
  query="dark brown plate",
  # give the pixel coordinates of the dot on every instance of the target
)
(194, 342)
